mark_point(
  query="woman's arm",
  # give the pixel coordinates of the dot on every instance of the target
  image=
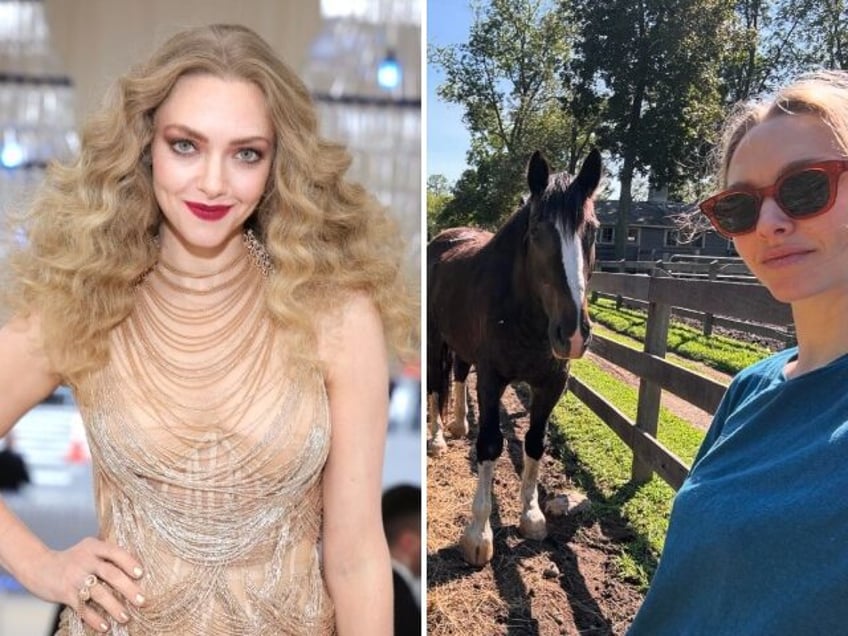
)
(25, 379)
(356, 558)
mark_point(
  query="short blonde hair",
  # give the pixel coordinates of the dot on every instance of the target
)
(822, 93)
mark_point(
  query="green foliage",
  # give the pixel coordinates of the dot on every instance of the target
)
(718, 352)
(655, 65)
(438, 184)
(468, 196)
(438, 197)
(506, 78)
(823, 30)
(648, 81)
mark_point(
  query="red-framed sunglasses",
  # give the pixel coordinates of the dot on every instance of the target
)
(802, 193)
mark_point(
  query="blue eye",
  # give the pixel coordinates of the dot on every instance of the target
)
(182, 146)
(249, 155)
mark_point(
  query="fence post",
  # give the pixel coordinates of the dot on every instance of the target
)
(648, 409)
(709, 319)
(621, 269)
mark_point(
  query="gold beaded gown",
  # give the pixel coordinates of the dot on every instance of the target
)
(207, 454)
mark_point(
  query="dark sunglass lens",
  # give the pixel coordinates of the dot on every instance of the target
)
(736, 212)
(805, 192)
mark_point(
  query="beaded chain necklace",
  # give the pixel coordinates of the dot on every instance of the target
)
(208, 450)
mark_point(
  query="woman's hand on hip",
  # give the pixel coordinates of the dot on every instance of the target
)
(75, 578)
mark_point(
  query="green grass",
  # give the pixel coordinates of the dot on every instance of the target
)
(600, 330)
(719, 352)
(601, 463)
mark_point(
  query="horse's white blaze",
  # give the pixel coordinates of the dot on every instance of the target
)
(572, 263)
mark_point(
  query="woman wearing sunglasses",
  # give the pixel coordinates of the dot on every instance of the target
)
(758, 536)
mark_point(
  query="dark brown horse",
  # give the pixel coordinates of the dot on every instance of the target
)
(514, 305)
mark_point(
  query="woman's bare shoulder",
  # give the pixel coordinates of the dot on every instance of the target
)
(353, 328)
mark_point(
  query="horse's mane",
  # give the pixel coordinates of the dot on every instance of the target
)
(555, 196)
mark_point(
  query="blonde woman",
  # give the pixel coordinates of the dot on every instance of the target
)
(217, 295)
(758, 536)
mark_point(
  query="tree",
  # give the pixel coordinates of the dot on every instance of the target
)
(824, 33)
(506, 79)
(438, 196)
(768, 42)
(471, 197)
(655, 65)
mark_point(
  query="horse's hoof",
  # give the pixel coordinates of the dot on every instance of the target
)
(437, 446)
(459, 430)
(533, 526)
(477, 550)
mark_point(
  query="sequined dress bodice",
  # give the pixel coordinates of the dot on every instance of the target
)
(219, 499)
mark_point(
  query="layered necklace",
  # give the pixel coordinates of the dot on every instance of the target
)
(198, 347)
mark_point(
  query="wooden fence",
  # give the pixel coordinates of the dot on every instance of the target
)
(739, 301)
(686, 266)
(699, 267)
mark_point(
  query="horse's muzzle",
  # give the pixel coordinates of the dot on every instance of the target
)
(573, 346)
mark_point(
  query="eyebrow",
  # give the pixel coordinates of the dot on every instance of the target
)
(789, 167)
(189, 132)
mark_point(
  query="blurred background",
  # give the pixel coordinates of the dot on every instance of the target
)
(361, 59)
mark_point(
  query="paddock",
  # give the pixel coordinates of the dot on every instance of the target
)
(569, 583)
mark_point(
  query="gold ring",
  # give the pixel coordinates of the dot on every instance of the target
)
(85, 591)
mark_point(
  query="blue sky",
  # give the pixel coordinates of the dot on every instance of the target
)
(448, 22)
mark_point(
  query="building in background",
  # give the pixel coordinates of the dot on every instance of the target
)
(37, 120)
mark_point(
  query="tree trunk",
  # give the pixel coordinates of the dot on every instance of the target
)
(625, 201)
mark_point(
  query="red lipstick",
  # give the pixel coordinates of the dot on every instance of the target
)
(208, 212)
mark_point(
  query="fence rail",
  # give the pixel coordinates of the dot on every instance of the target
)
(743, 302)
(710, 268)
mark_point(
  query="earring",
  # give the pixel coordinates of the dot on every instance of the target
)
(258, 253)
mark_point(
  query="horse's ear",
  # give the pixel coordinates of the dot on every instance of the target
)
(537, 174)
(590, 173)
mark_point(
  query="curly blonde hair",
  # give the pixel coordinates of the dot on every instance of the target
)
(90, 227)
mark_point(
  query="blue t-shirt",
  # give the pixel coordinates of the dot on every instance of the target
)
(758, 536)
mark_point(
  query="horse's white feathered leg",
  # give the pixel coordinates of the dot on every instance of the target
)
(436, 445)
(532, 525)
(477, 543)
(459, 428)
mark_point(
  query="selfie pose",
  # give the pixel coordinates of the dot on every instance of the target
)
(758, 537)
(221, 302)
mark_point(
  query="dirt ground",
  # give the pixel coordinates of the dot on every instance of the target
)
(565, 584)
(562, 585)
